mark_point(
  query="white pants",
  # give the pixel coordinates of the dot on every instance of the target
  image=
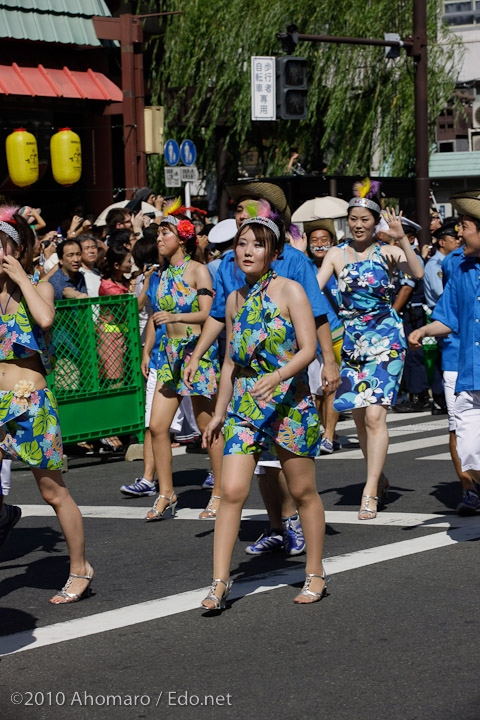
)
(5, 476)
(315, 372)
(449, 382)
(467, 427)
(183, 415)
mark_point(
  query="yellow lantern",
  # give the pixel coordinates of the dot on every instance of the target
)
(22, 157)
(66, 155)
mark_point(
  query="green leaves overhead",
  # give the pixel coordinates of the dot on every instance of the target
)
(361, 105)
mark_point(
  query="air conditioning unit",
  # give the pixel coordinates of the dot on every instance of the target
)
(474, 140)
(476, 114)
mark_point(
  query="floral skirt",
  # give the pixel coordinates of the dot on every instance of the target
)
(289, 420)
(173, 357)
(373, 356)
(30, 429)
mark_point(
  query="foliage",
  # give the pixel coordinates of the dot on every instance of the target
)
(361, 105)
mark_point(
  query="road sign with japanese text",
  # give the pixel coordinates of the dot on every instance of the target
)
(263, 88)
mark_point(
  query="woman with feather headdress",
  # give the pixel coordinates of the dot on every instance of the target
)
(373, 351)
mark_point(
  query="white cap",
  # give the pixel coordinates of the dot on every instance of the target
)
(223, 232)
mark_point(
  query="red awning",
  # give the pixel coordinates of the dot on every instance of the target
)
(52, 82)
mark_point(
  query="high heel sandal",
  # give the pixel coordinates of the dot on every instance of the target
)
(218, 602)
(210, 513)
(74, 597)
(157, 515)
(313, 596)
(365, 513)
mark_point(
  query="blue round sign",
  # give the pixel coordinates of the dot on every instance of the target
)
(188, 152)
(172, 152)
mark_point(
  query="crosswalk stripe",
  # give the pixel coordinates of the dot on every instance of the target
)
(399, 447)
(333, 517)
(190, 600)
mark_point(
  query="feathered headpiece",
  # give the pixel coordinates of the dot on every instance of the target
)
(363, 191)
(262, 208)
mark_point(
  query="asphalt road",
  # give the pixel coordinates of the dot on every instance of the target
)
(397, 637)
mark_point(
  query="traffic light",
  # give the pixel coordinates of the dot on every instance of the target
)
(291, 88)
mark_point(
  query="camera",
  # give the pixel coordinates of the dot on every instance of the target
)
(151, 266)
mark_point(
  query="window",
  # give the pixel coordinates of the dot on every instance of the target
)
(465, 12)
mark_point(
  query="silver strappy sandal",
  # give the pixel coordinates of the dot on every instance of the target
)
(219, 602)
(365, 513)
(74, 597)
(312, 596)
(157, 515)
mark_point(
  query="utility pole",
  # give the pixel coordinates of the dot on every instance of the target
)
(416, 48)
(128, 30)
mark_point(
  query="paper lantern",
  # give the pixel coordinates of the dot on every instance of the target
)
(22, 157)
(66, 156)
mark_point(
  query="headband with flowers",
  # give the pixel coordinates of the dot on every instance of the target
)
(185, 228)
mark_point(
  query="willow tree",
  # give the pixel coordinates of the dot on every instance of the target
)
(360, 104)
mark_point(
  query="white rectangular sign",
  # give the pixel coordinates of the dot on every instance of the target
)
(173, 177)
(189, 174)
(263, 88)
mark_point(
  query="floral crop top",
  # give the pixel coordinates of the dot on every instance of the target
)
(21, 338)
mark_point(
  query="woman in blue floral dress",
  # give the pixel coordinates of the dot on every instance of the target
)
(184, 296)
(374, 345)
(264, 402)
(29, 425)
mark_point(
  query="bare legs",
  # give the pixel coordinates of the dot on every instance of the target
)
(276, 496)
(463, 475)
(54, 492)
(164, 407)
(148, 459)
(328, 415)
(372, 431)
(236, 478)
(203, 409)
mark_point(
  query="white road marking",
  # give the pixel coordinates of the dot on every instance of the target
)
(419, 444)
(334, 517)
(190, 600)
(441, 456)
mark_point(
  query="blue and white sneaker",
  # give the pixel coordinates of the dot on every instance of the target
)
(293, 540)
(140, 488)
(269, 541)
(326, 447)
(469, 504)
(208, 482)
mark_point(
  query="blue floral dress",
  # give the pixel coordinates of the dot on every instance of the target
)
(175, 296)
(263, 341)
(29, 425)
(374, 347)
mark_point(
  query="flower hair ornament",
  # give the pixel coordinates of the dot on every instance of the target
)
(6, 221)
(364, 191)
(185, 228)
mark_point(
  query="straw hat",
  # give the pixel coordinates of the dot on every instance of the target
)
(257, 189)
(467, 203)
(320, 224)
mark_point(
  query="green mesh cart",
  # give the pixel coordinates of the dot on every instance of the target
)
(97, 378)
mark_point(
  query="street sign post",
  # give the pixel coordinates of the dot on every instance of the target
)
(188, 153)
(173, 177)
(263, 88)
(172, 154)
(189, 174)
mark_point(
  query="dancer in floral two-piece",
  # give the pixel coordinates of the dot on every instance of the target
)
(264, 402)
(374, 345)
(373, 349)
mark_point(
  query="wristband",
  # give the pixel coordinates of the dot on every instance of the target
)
(281, 379)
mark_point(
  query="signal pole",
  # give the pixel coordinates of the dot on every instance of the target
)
(416, 48)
